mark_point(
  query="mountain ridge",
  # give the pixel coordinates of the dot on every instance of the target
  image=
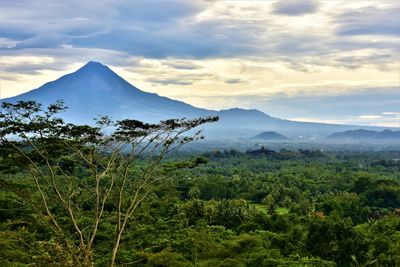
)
(95, 89)
(362, 134)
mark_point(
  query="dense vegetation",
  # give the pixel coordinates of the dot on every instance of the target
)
(79, 195)
(303, 208)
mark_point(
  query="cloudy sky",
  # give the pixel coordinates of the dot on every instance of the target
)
(325, 61)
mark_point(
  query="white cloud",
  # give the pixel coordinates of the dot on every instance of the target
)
(391, 113)
(370, 117)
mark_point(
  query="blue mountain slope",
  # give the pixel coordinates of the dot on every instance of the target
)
(96, 90)
(361, 134)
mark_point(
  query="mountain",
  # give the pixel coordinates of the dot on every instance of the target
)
(270, 136)
(362, 134)
(96, 90)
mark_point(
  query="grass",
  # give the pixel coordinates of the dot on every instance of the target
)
(263, 208)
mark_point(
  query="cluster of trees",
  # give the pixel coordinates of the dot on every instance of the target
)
(225, 208)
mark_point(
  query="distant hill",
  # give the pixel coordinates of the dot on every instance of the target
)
(362, 134)
(270, 136)
(96, 90)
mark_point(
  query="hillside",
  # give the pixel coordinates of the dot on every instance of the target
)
(270, 136)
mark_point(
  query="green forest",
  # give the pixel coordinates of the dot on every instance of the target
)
(66, 202)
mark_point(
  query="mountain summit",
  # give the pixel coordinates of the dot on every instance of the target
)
(270, 136)
(95, 90)
(95, 66)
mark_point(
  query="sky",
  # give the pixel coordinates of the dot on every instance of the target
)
(308, 60)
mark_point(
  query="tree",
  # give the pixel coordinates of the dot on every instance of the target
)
(110, 167)
(335, 239)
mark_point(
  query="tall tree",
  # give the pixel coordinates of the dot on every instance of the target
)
(113, 165)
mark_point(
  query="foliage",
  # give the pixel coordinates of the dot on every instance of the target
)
(222, 208)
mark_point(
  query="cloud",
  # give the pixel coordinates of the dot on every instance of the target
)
(295, 7)
(182, 65)
(391, 113)
(199, 29)
(7, 43)
(47, 40)
(370, 21)
(158, 12)
(370, 117)
(170, 81)
(198, 40)
(134, 27)
(233, 80)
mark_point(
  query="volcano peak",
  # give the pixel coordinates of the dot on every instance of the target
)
(94, 66)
